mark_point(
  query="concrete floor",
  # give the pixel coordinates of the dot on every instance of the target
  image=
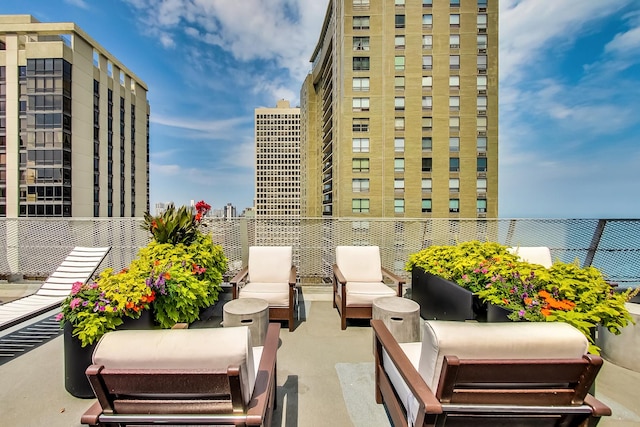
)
(309, 388)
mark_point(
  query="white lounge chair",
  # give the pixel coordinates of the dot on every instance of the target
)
(78, 266)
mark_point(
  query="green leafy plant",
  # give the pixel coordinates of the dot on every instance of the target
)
(176, 225)
(564, 292)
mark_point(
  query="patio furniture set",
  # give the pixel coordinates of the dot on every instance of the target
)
(427, 373)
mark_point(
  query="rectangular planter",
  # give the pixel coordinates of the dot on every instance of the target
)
(441, 299)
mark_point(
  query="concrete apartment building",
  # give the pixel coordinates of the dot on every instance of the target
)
(400, 111)
(74, 127)
(277, 136)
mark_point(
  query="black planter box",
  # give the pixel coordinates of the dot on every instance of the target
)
(442, 299)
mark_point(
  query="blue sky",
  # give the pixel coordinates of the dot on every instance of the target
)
(569, 93)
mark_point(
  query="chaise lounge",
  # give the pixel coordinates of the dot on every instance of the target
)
(482, 374)
(209, 376)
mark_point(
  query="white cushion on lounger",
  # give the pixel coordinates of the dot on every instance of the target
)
(534, 255)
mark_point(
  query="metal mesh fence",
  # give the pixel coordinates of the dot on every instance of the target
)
(35, 247)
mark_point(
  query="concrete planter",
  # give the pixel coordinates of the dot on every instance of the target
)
(624, 349)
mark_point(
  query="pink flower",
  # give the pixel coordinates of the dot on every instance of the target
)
(75, 303)
(59, 316)
(75, 288)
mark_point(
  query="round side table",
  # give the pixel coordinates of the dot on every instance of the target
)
(400, 315)
(251, 312)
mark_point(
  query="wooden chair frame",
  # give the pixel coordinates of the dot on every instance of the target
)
(356, 311)
(275, 313)
(184, 396)
(491, 392)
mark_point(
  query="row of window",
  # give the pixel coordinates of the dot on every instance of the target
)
(425, 3)
(360, 185)
(363, 43)
(364, 22)
(363, 205)
(362, 145)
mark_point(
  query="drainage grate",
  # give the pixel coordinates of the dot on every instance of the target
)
(26, 339)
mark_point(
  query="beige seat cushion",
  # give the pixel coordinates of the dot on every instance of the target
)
(534, 255)
(363, 293)
(270, 264)
(190, 349)
(276, 294)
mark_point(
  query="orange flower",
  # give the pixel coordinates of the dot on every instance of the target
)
(154, 224)
(129, 305)
(198, 216)
(528, 301)
(545, 312)
(167, 276)
(544, 294)
(156, 262)
(151, 297)
(143, 299)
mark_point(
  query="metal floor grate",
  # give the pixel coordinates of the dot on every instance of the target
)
(26, 339)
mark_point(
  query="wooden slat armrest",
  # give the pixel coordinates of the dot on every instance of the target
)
(239, 277)
(338, 274)
(428, 403)
(265, 378)
(292, 276)
(91, 415)
(599, 408)
(396, 280)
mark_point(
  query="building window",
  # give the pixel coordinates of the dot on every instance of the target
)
(399, 2)
(399, 123)
(360, 22)
(427, 42)
(482, 124)
(360, 63)
(399, 63)
(398, 165)
(454, 164)
(360, 3)
(360, 185)
(454, 185)
(398, 184)
(427, 143)
(427, 164)
(454, 143)
(398, 82)
(427, 103)
(482, 164)
(482, 143)
(400, 22)
(426, 184)
(454, 205)
(454, 20)
(482, 82)
(481, 185)
(427, 20)
(399, 40)
(482, 3)
(481, 205)
(427, 82)
(360, 165)
(426, 205)
(427, 123)
(427, 3)
(482, 41)
(360, 104)
(399, 102)
(360, 205)
(454, 124)
(454, 62)
(361, 84)
(454, 3)
(398, 145)
(360, 145)
(482, 105)
(454, 103)
(482, 23)
(427, 62)
(454, 82)
(360, 124)
(454, 41)
(361, 43)
(398, 205)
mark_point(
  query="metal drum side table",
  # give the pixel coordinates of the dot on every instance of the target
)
(251, 312)
(400, 315)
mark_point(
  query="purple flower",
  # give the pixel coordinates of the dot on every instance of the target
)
(521, 313)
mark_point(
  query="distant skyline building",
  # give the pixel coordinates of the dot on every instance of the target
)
(277, 136)
(399, 116)
(74, 125)
(230, 211)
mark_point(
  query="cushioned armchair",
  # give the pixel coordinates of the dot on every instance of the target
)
(269, 275)
(358, 279)
(534, 254)
(183, 376)
(488, 374)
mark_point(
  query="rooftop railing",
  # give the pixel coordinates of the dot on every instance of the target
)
(35, 247)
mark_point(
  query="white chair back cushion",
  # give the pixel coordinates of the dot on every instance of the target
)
(519, 340)
(534, 254)
(270, 264)
(359, 263)
(188, 349)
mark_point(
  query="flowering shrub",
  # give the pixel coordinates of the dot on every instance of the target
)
(176, 225)
(99, 306)
(563, 292)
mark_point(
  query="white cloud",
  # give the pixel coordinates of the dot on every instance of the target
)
(78, 3)
(216, 127)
